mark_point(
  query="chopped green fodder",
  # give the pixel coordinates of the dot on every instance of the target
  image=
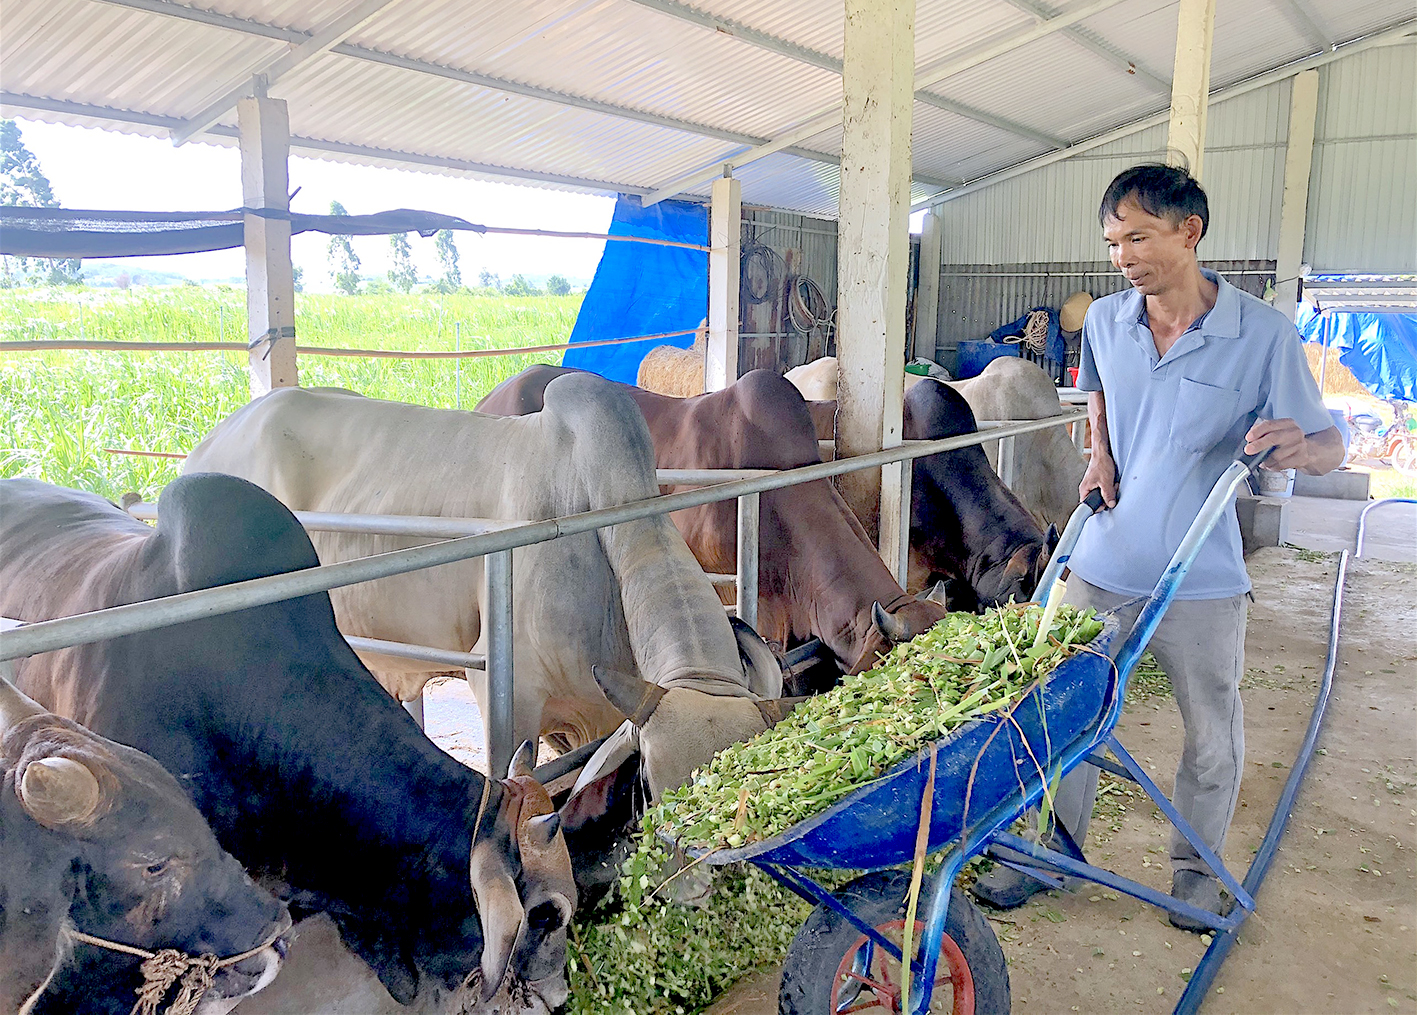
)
(639, 952)
(963, 668)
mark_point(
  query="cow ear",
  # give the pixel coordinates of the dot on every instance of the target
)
(762, 669)
(938, 594)
(499, 907)
(606, 760)
(635, 698)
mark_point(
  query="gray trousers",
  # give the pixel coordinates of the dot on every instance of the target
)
(1200, 643)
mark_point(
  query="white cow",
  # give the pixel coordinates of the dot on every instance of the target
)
(630, 598)
(1048, 467)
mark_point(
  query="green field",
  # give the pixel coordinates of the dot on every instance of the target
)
(63, 408)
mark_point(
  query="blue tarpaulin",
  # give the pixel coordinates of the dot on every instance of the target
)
(640, 289)
(1380, 349)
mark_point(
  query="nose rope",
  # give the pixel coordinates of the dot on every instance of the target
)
(161, 969)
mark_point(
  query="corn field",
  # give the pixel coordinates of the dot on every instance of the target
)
(63, 408)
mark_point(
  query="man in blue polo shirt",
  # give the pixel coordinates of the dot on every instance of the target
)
(1184, 371)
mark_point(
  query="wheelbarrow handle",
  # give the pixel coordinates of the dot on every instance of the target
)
(1094, 500)
(1253, 462)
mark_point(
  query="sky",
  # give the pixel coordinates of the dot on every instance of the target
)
(98, 169)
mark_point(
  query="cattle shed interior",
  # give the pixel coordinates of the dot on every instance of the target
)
(1001, 119)
(805, 138)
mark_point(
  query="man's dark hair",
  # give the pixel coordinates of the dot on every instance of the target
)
(1164, 191)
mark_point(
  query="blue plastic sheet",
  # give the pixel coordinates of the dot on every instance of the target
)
(1380, 349)
(1055, 336)
(641, 289)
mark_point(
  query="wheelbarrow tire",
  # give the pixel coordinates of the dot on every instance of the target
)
(824, 942)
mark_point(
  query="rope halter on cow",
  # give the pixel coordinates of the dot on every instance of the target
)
(161, 969)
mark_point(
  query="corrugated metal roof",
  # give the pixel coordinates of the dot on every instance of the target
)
(623, 94)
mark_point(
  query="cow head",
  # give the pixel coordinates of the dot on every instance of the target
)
(906, 618)
(506, 952)
(674, 730)
(99, 837)
(520, 874)
(1015, 577)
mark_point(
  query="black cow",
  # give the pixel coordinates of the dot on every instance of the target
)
(97, 837)
(447, 884)
(966, 527)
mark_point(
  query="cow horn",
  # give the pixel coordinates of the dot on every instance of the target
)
(14, 705)
(499, 907)
(891, 628)
(635, 698)
(523, 761)
(59, 791)
(541, 830)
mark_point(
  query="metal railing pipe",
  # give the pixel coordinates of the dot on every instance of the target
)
(420, 653)
(429, 526)
(747, 584)
(707, 477)
(117, 621)
(500, 724)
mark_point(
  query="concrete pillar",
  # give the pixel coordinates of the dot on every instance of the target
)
(927, 294)
(874, 254)
(1190, 84)
(270, 282)
(725, 232)
(1293, 211)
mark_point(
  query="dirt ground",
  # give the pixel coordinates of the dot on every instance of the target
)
(1336, 925)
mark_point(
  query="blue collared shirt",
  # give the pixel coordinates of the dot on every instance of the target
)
(1176, 423)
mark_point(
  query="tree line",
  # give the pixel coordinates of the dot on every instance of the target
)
(344, 265)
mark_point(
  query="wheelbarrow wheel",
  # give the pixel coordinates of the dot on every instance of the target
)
(832, 968)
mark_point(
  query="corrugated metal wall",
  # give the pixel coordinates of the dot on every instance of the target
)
(778, 249)
(1033, 240)
(977, 298)
(1363, 191)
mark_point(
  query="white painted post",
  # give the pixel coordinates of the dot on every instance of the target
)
(874, 255)
(1190, 84)
(415, 709)
(1298, 159)
(270, 281)
(725, 230)
(747, 577)
(1006, 461)
(927, 294)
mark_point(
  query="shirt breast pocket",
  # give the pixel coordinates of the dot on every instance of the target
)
(1202, 415)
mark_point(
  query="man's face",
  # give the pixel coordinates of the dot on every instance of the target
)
(1154, 253)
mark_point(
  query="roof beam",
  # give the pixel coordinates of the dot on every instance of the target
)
(253, 28)
(298, 54)
(762, 40)
(1094, 43)
(14, 100)
(1299, 14)
(1395, 33)
(1008, 42)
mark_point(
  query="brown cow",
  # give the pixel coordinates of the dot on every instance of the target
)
(818, 575)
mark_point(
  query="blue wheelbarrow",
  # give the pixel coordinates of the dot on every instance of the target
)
(977, 782)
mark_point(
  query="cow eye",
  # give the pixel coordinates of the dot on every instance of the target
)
(156, 869)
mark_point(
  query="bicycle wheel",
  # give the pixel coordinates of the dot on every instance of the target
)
(832, 968)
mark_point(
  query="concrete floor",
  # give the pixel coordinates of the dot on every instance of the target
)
(1330, 525)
